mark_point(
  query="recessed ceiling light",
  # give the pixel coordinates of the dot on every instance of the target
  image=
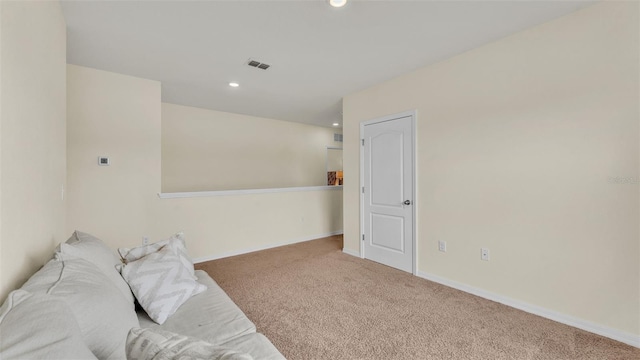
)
(234, 84)
(336, 124)
(337, 3)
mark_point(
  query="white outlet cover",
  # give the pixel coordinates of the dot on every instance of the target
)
(484, 254)
(442, 246)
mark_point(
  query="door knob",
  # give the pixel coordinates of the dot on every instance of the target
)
(407, 202)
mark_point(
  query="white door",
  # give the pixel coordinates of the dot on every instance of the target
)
(387, 194)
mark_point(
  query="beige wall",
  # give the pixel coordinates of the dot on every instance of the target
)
(517, 142)
(32, 138)
(334, 159)
(116, 116)
(120, 116)
(227, 225)
(212, 150)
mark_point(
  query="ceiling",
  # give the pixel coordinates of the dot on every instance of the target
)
(318, 54)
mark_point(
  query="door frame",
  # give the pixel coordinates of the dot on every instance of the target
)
(413, 115)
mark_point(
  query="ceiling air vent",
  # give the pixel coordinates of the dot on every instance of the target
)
(258, 64)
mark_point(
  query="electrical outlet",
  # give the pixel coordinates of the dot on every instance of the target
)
(442, 246)
(145, 240)
(484, 254)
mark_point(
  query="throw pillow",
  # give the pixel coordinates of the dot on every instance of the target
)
(148, 344)
(104, 315)
(39, 326)
(176, 243)
(94, 250)
(161, 283)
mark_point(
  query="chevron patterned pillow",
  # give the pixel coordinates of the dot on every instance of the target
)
(161, 283)
(176, 242)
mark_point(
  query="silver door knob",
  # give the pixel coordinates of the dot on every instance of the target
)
(407, 202)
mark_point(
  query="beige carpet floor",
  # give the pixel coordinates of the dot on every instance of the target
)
(314, 302)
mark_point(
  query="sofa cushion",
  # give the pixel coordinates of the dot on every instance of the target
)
(176, 243)
(256, 345)
(39, 326)
(104, 315)
(150, 344)
(95, 251)
(160, 283)
(211, 316)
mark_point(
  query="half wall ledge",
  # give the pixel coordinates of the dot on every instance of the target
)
(181, 195)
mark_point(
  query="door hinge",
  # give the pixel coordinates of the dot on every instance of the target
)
(362, 142)
(362, 237)
(363, 189)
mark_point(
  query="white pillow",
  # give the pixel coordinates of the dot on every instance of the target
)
(95, 251)
(104, 315)
(148, 344)
(176, 243)
(161, 283)
(39, 326)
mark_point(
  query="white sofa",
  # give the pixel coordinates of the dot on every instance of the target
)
(76, 307)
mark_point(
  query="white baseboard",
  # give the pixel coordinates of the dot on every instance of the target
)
(614, 334)
(351, 252)
(264, 247)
